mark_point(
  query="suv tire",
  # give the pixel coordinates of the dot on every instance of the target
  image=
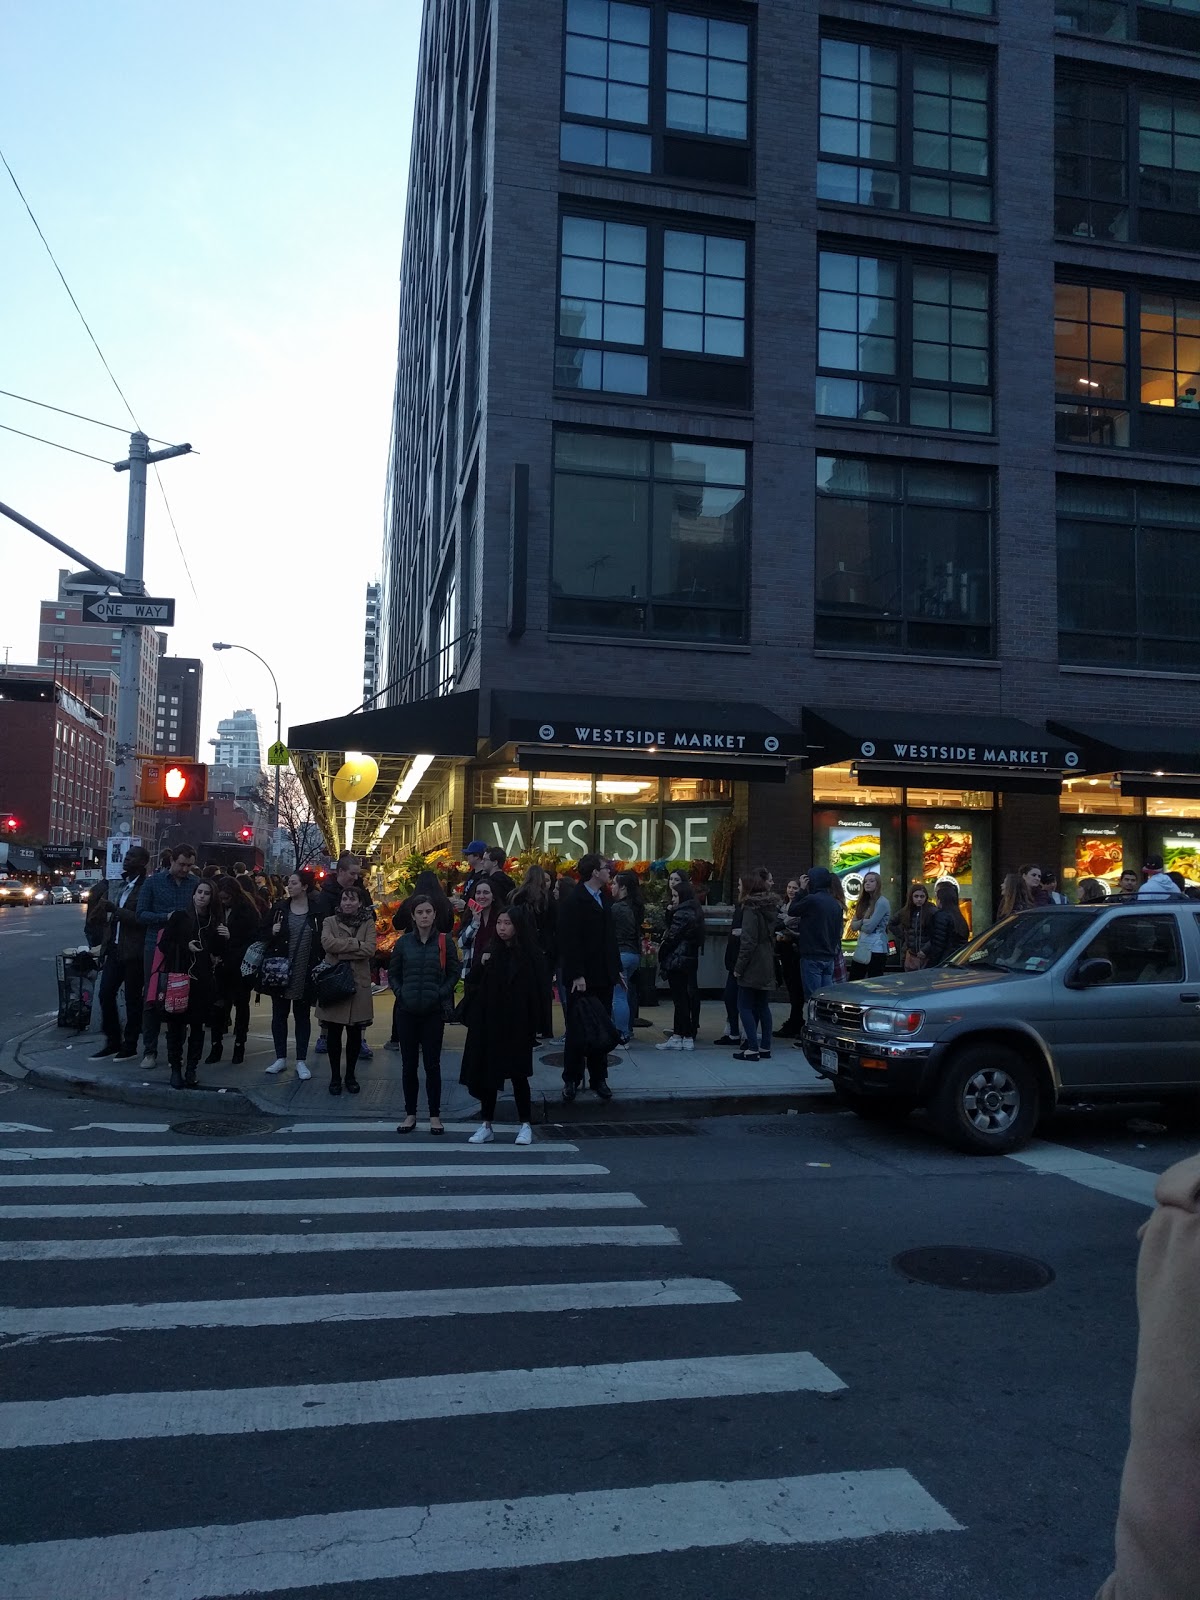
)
(987, 1101)
(874, 1108)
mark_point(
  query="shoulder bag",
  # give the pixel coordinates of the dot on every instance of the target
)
(253, 959)
(274, 974)
(333, 981)
(178, 993)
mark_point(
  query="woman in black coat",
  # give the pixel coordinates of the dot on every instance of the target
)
(425, 887)
(193, 942)
(242, 923)
(536, 904)
(948, 929)
(504, 1007)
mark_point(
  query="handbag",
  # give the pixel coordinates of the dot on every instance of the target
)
(913, 961)
(274, 974)
(154, 986)
(862, 951)
(591, 1024)
(253, 959)
(333, 981)
(178, 993)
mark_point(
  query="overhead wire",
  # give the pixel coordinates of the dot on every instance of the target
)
(104, 462)
(116, 427)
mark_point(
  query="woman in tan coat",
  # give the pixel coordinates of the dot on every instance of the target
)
(349, 935)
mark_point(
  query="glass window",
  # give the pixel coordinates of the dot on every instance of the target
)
(704, 294)
(923, 326)
(932, 159)
(1175, 23)
(649, 542)
(1129, 577)
(904, 558)
(607, 61)
(602, 301)
(1142, 949)
(707, 75)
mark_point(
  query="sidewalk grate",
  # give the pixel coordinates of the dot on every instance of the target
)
(619, 1130)
(224, 1127)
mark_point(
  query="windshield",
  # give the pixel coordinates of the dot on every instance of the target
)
(1032, 941)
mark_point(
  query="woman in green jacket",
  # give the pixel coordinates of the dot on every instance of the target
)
(755, 968)
(422, 973)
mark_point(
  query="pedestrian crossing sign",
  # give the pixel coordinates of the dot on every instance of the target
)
(277, 755)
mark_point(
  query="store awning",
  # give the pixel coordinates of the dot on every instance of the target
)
(447, 726)
(619, 726)
(1134, 747)
(911, 747)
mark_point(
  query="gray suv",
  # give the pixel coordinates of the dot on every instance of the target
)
(1068, 1003)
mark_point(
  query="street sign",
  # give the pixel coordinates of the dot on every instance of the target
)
(131, 608)
(277, 755)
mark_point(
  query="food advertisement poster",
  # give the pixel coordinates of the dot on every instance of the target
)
(1099, 856)
(948, 853)
(1181, 853)
(853, 850)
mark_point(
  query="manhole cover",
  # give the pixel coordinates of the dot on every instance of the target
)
(950, 1266)
(619, 1130)
(223, 1127)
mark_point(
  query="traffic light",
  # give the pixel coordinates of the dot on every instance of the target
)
(10, 824)
(245, 835)
(173, 783)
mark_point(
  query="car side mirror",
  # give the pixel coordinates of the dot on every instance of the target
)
(1091, 972)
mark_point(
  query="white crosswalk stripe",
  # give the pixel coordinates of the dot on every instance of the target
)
(496, 1272)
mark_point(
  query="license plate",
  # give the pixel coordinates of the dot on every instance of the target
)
(829, 1060)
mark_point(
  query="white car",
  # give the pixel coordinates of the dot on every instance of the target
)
(58, 895)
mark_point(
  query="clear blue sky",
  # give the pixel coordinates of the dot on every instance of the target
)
(223, 186)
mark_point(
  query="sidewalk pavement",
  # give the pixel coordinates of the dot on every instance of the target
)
(646, 1082)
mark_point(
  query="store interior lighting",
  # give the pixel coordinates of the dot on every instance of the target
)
(575, 785)
(420, 766)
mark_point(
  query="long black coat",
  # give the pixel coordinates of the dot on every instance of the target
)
(588, 943)
(203, 965)
(504, 1004)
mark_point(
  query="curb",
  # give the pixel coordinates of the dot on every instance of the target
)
(685, 1107)
(65, 1080)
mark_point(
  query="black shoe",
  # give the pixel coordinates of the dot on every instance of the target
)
(239, 1054)
(335, 1086)
(189, 1078)
(176, 1078)
(642, 1022)
(764, 1055)
(106, 1050)
(569, 1091)
(214, 1055)
(128, 1052)
(745, 1055)
(603, 1090)
(727, 1038)
(352, 1084)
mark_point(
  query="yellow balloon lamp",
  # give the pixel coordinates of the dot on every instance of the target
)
(356, 777)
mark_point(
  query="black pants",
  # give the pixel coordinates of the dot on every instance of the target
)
(235, 1001)
(333, 1034)
(575, 1058)
(118, 972)
(420, 1036)
(789, 962)
(520, 1089)
(186, 1027)
(876, 966)
(733, 1023)
(686, 996)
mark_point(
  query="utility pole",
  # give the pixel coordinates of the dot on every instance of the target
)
(124, 792)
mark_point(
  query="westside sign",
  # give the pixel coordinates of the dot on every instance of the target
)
(970, 755)
(656, 739)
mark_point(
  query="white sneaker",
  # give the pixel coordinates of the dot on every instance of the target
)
(302, 1072)
(524, 1134)
(687, 1044)
(482, 1135)
(277, 1067)
(673, 1043)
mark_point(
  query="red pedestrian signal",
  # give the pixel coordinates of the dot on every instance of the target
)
(173, 783)
(11, 824)
(245, 835)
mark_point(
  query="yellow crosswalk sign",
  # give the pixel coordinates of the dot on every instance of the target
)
(277, 755)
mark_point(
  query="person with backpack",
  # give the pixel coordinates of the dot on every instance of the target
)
(422, 974)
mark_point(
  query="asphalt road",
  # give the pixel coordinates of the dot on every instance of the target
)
(30, 939)
(989, 1429)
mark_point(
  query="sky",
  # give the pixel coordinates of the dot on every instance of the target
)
(223, 187)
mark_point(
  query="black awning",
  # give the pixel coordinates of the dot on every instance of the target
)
(447, 726)
(1134, 747)
(754, 769)
(981, 749)
(618, 725)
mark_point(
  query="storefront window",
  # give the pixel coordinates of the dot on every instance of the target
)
(838, 785)
(939, 799)
(1098, 797)
(562, 788)
(502, 788)
(690, 790)
(1101, 848)
(626, 790)
(945, 845)
(1173, 806)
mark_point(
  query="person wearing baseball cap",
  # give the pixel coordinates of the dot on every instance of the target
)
(1157, 882)
(477, 862)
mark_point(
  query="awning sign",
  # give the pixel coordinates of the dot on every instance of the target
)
(723, 740)
(968, 754)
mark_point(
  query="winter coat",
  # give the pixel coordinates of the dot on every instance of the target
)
(874, 928)
(505, 1009)
(443, 921)
(278, 943)
(588, 944)
(477, 938)
(755, 966)
(911, 932)
(948, 932)
(1158, 884)
(355, 943)
(627, 927)
(328, 899)
(818, 920)
(201, 965)
(422, 973)
(1158, 1527)
(734, 942)
(543, 921)
(679, 947)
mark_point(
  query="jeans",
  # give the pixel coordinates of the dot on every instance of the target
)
(817, 973)
(624, 1006)
(117, 972)
(302, 1011)
(686, 997)
(754, 1009)
(420, 1035)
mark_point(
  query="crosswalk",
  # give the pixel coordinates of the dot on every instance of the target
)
(328, 1307)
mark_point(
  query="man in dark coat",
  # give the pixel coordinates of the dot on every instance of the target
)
(112, 924)
(818, 922)
(591, 964)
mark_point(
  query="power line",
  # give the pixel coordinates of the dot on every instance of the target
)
(117, 427)
(67, 287)
(70, 448)
(175, 531)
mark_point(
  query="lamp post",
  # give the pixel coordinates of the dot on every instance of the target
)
(278, 711)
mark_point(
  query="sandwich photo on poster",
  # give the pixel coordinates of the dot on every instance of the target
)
(948, 853)
(853, 851)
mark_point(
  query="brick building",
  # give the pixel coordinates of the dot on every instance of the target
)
(53, 774)
(819, 376)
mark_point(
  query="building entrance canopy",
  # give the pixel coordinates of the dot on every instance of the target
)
(1128, 747)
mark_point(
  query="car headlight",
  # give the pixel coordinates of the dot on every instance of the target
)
(884, 1019)
(29, 894)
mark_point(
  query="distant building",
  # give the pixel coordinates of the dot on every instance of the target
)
(177, 709)
(371, 646)
(238, 742)
(53, 774)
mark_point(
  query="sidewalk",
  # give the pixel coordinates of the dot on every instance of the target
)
(645, 1082)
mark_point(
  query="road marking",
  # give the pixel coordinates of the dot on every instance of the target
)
(342, 1206)
(90, 1418)
(286, 1310)
(321, 1552)
(123, 1127)
(22, 1127)
(122, 1152)
(1093, 1172)
(380, 1127)
(480, 1172)
(307, 1244)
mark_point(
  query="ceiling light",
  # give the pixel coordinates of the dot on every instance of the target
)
(420, 766)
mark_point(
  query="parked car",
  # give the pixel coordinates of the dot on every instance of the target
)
(15, 892)
(75, 890)
(1050, 1007)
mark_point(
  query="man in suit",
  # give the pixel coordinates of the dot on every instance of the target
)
(112, 924)
(591, 964)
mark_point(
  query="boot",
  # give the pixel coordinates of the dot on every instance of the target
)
(214, 1054)
(189, 1076)
(351, 1083)
(176, 1076)
(335, 1083)
(239, 1053)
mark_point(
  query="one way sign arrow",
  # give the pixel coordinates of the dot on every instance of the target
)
(142, 609)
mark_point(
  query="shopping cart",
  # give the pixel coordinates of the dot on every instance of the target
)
(76, 971)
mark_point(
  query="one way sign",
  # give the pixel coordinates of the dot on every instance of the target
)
(131, 608)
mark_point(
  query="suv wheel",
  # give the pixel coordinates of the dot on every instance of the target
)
(987, 1101)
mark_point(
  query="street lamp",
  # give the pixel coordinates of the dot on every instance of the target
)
(278, 711)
